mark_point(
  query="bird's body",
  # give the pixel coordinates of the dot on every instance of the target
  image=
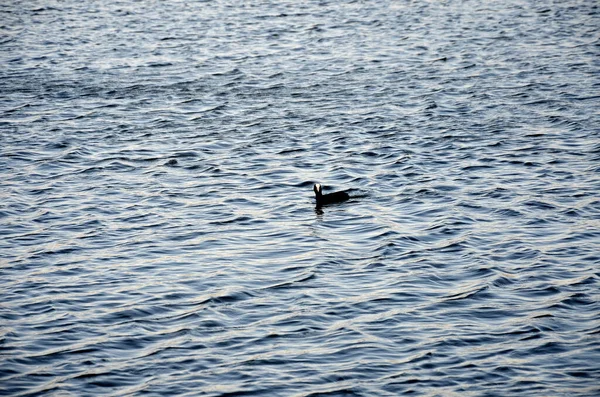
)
(323, 199)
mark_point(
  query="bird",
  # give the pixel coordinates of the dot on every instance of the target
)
(323, 199)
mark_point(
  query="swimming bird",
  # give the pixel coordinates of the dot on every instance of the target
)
(330, 198)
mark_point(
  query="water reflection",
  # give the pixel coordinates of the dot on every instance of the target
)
(156, 229)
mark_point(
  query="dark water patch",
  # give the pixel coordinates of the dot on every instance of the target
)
(501, 282)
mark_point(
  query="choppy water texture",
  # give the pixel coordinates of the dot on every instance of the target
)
(158, 228)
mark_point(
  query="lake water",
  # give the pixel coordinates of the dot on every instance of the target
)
(158, 229)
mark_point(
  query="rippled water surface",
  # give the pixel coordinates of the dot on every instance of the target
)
(158, 229)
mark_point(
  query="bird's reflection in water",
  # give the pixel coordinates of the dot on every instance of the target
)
(319, 211)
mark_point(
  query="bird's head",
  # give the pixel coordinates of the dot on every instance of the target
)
(317, 189)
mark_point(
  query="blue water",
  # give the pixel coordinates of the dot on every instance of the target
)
(158, 229)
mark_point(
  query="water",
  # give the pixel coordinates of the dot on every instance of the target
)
(157, 220)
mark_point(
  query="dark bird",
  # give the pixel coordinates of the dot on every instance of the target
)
(330, 198)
